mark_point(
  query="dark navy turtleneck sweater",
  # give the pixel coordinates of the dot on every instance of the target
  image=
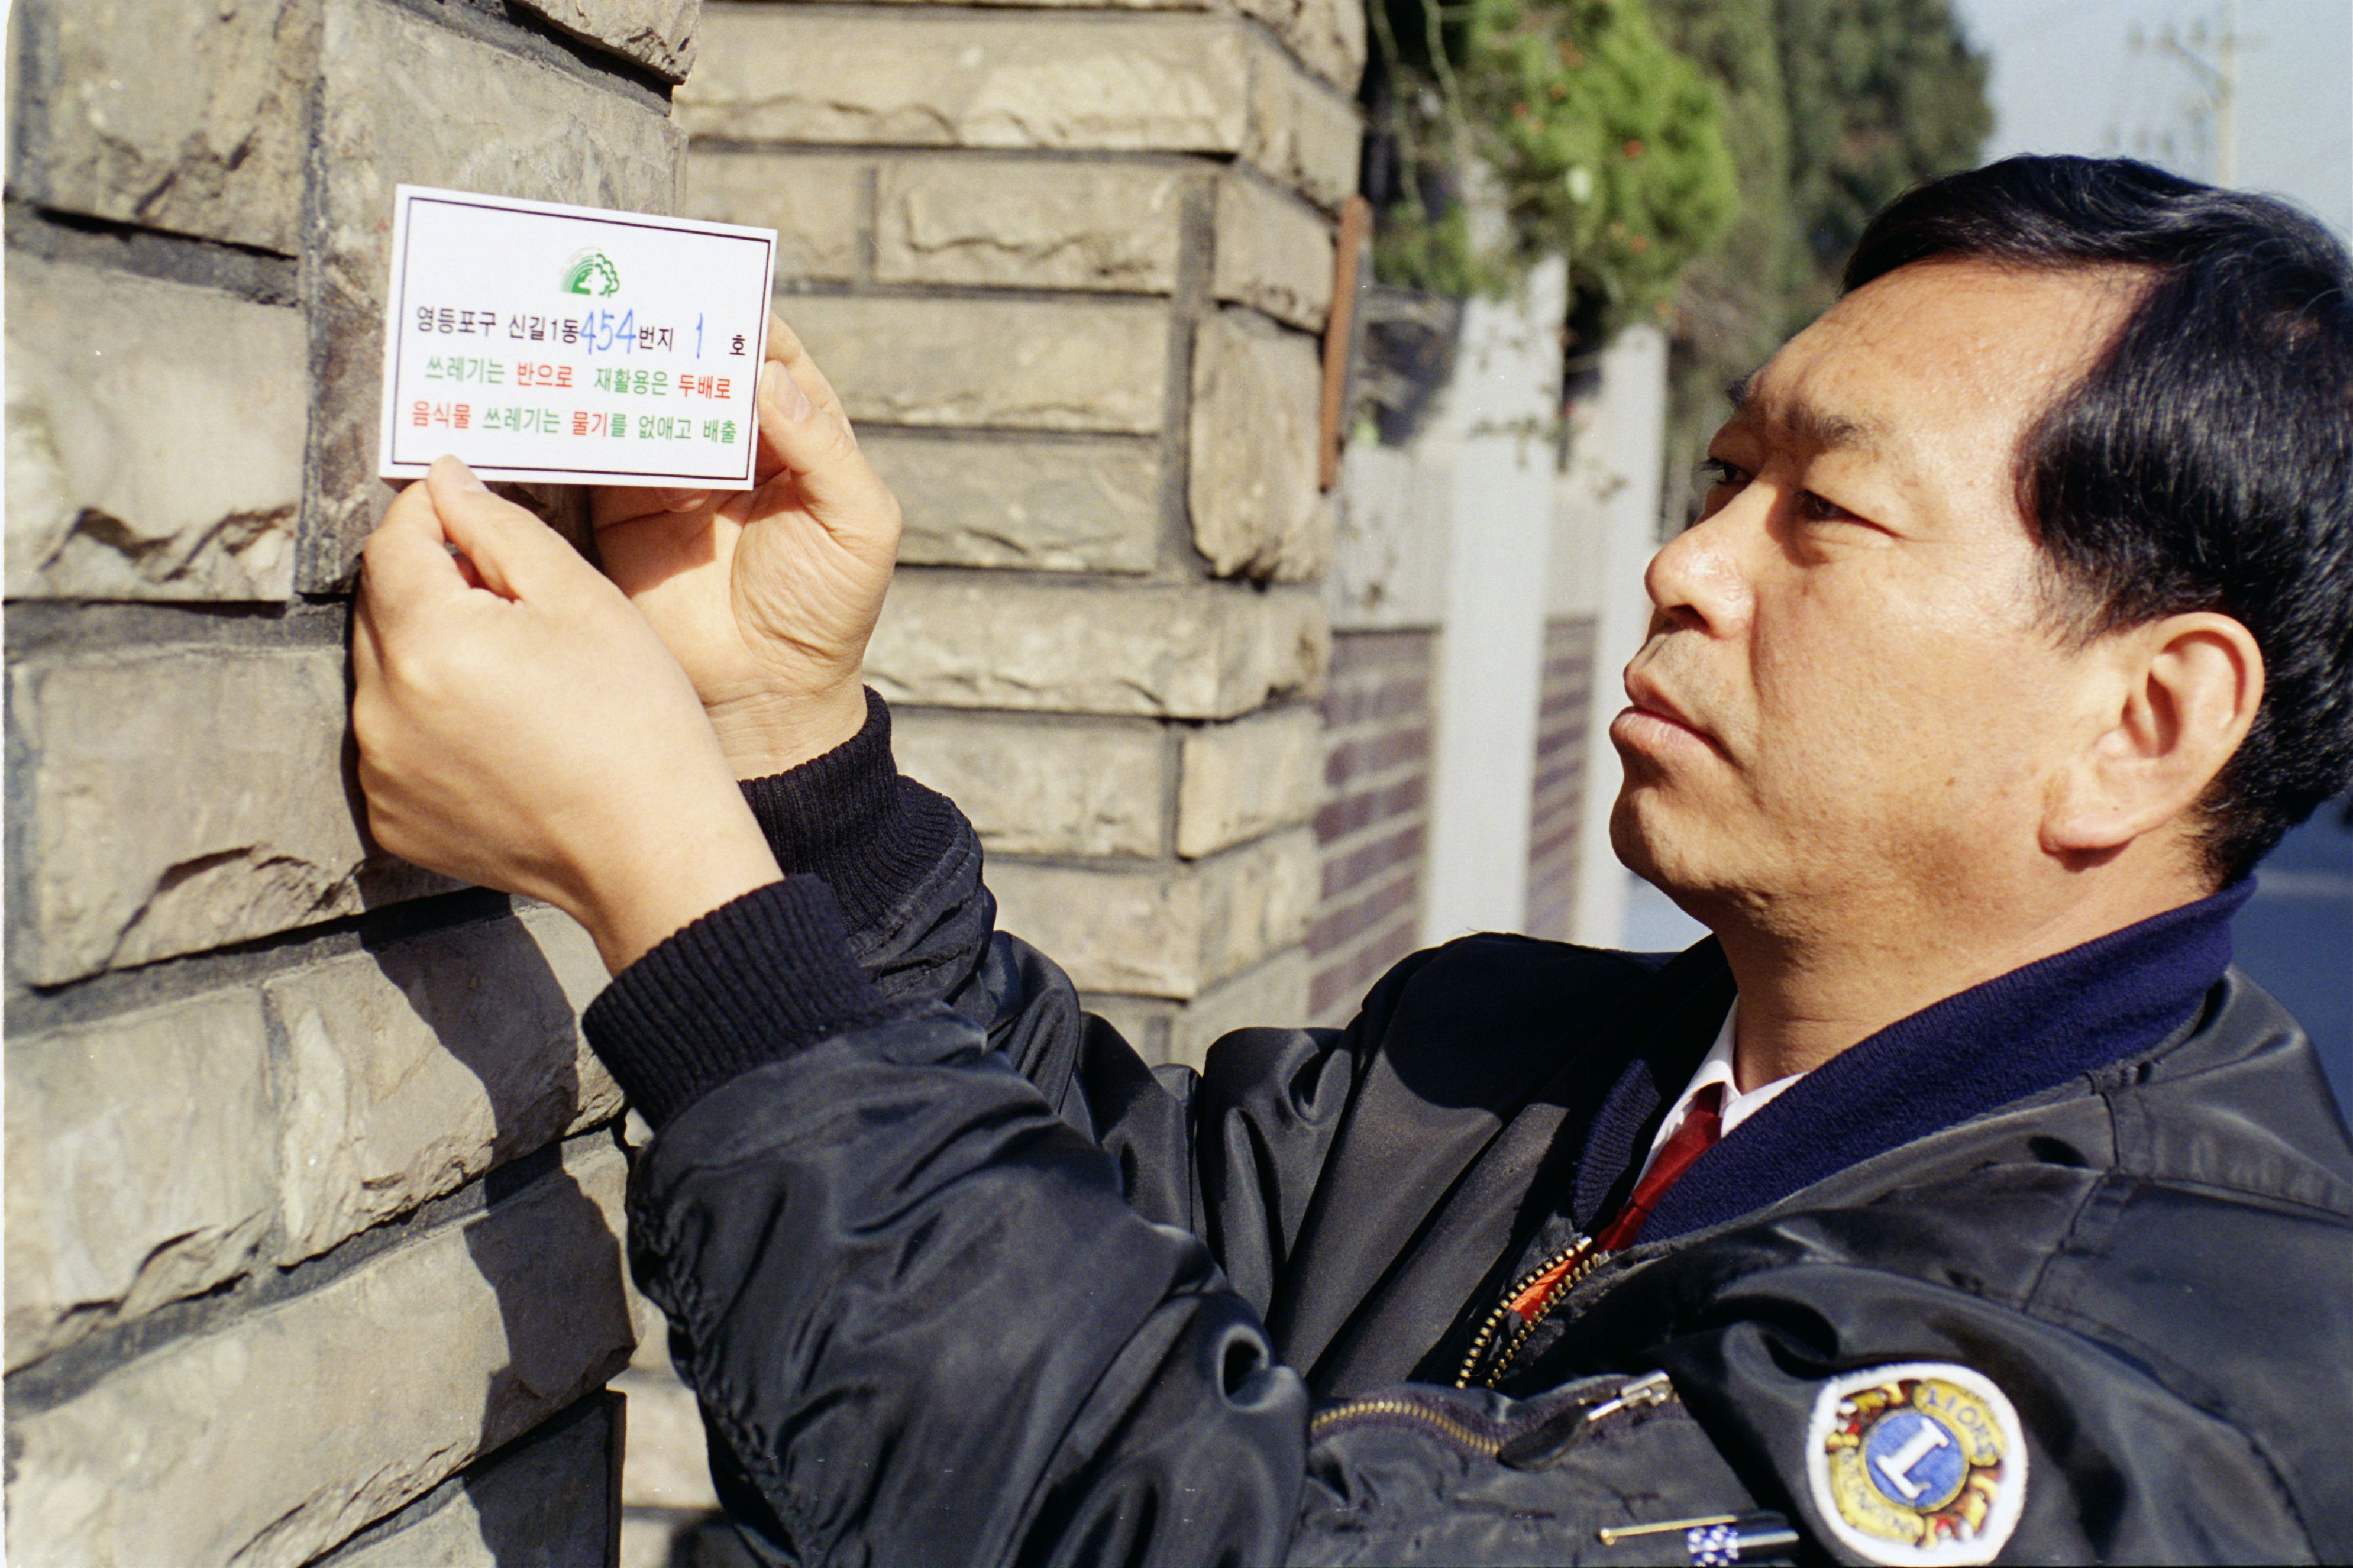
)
(2022, 1032)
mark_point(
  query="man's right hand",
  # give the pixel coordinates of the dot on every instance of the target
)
(768, 599)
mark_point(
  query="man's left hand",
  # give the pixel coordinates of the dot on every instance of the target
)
(766, 597)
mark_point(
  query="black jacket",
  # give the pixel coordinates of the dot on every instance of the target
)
(958, 1279)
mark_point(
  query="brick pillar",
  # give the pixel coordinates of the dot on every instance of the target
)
(313, 1197)
(1067, 268)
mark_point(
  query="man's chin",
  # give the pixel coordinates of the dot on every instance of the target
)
(1634, 832)
(1667, 853)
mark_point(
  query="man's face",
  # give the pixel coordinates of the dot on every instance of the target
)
(1851, 704)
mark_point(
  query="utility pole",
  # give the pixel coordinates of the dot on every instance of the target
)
(2212, 57)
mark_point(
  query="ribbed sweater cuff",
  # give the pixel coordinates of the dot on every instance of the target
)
(750, 983)
(848, 817)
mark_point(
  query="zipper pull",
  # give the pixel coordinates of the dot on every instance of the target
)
(1650, 1388)
(1545, 1445)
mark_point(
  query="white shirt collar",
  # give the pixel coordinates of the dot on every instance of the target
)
(1716, 1067)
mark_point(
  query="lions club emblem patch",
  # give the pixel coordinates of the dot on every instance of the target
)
(1918, 1465)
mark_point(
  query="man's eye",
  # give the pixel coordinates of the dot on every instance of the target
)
(1716, 472)
(1814, 509)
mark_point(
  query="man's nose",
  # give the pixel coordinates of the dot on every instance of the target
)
(1697, 580)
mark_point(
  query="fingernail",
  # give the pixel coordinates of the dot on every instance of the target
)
(464, 477)
(683, 500)
(782, 390)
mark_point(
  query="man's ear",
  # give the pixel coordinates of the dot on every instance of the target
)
(2178, 696)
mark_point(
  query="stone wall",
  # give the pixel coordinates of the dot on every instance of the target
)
(312, 1192)
(1503, 530)
(1068, 267)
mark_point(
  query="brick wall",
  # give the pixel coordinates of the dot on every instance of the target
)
(1372, 833)
(1562, 721)
(1068, 268)
(312, 1192)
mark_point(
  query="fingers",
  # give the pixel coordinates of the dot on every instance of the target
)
(512, 551)
(610, 505)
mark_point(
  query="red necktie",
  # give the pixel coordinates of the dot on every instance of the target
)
(1702, 1123)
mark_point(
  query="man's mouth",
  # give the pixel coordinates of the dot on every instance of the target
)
(1655, 720)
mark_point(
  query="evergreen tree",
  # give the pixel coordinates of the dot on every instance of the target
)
(1833, 109)
(1594, 139)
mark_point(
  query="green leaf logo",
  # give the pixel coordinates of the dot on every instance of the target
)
(591, 273)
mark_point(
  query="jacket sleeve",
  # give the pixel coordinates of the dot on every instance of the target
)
(926, 1324)
(1231, 1156)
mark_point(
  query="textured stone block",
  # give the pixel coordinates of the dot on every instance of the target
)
(1256, 507)
(548, 1501)
(1028, 225)
(1169, 931)
(1024, 364)
(415, 1066)
(279, 1435)
(1205, 652)
(1304, 134)
(1044, 786)
(1271, 252)
(154, 439)
(1046, 505)
(181, 798)
(815, 203)
(1237, 781)
(1329, 35)
(402, 100)
(139, 1162)
(1273, 994)
(1031, 79)
(188, 118)
(657, 34)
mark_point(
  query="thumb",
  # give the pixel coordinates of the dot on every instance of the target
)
(406, 566)
(512, 551)
(818, 455)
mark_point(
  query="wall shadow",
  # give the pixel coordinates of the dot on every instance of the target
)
(541, 1242)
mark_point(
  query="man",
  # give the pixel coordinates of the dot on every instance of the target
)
(1956, 1201)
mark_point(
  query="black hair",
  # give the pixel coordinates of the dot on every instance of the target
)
(2205, 462)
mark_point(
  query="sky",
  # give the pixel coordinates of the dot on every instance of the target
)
(2067, 79)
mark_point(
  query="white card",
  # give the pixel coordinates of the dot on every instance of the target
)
(571, 344)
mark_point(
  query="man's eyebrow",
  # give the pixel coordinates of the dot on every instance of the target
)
(1805, 422)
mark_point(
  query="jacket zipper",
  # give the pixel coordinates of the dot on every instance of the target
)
(1530, 1300)
(1478, 1443)
(1484, 1439)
